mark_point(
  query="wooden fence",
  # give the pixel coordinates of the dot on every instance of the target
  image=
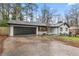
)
(4, 30)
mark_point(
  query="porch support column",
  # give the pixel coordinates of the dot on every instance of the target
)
(37, 30)
(11, 31)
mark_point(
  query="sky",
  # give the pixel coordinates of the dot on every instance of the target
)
(60, 7)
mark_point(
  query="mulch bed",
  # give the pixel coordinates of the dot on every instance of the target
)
(68, 42)
(2, 38)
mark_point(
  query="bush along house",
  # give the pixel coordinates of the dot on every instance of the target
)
(25, 28)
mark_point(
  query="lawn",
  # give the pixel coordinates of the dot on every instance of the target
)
(73, 41)
(50, 37)
(70, 38)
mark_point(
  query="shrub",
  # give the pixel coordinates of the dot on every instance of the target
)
(3, 23)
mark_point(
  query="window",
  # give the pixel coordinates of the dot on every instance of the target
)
(50, 30)
(66, 29)
(42, 28)
(61, 29)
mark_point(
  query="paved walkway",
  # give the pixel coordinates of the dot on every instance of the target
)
(29, 47)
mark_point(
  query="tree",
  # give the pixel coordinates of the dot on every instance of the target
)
(1, 17)
(47, 16)
(73, 15)
(4, 14)
(17, 11)
(30, 9)
(4, 11)
(67, 18)
(13, 9)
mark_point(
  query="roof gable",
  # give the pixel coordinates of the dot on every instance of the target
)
(60, 24)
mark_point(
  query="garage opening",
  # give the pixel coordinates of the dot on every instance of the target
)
(24, 30)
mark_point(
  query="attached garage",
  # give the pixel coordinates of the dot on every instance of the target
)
(24, 30)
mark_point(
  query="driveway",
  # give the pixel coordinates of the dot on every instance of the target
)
(33, 46)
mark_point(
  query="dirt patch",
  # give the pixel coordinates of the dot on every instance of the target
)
(2, 38)
(68, 42)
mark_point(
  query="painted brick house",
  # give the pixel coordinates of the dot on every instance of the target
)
(26, 28)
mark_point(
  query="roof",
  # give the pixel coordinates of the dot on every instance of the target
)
(74, 27)
(59, 24)
(16, 22)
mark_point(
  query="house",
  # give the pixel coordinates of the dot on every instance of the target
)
(74, 30)
(26, 28)
(60, 29)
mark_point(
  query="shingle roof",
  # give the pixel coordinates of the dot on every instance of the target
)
(25, 23)
(57, 24)
(16, 22)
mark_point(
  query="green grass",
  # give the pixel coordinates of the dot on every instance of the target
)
(70, 38)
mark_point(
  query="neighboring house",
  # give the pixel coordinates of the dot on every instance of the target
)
(74, 30)
(25, 28)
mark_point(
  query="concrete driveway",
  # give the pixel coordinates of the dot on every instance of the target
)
(33, 46)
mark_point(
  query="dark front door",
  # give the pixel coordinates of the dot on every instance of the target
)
(24, 30)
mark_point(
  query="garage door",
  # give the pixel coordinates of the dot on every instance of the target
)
(24, 30)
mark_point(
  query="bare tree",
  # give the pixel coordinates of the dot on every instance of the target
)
(73, 15)
(47, 15)
(30, 9)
